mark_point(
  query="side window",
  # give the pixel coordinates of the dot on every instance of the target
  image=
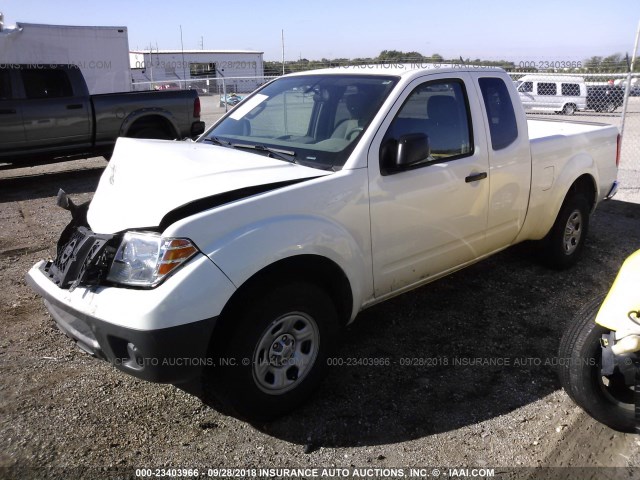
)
(439, 110)
(500, 114)
(547, 88)
(45, 83)
(5, 85)
(526, 87)
(570, 90)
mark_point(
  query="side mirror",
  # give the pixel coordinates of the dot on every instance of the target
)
(402, 154)
(412, 149)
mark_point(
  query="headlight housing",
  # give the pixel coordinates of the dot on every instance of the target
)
(145, 259)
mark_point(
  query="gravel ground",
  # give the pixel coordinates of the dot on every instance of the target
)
(67, 415)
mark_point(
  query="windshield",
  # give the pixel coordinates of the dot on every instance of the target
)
(314, 120)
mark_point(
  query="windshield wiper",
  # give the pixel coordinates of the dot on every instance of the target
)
(286, 155)
(218, 141)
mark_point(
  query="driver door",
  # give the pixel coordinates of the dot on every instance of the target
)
(431, 218)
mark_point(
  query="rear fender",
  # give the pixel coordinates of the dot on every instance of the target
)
(151, 115)
(549, 188)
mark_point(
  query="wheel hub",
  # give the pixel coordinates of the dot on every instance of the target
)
(282, 350)
(572, 232)
(285, 353)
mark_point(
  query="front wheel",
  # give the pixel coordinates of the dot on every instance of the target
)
(564, 243)
(272, 352)
(605, 398)
(569, 109)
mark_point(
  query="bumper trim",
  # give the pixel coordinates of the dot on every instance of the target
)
(612, 191)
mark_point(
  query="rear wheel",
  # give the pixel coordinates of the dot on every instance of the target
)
(610, 107)
(273, 351)
(606, 398)
(151, 132)
(569, 109)
(564, 244)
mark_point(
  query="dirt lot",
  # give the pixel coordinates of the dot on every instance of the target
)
(67, 415)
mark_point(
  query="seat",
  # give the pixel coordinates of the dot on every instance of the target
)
(358, 107)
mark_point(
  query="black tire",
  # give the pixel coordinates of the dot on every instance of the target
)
(253, 332)
(569, 109)
(563, 245)
(608, 400)
(152, 133)
(610, 107)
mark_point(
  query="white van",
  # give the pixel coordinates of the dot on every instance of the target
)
(552, 93)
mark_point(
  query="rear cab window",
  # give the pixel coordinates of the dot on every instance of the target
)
(503, 127)
(46, 83)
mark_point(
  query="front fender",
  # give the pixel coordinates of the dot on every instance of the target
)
(243, 253)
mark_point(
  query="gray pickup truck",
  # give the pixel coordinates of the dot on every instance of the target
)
(46, 112)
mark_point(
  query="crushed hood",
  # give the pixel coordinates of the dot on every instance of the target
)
(147, 179)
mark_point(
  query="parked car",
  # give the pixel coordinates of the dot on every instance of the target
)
(167, 86)
(233, 262)
(604, 98)
(231, 99)
(47, 112)
(553, 93)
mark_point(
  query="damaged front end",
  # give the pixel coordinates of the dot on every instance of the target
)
(133, 258)
(107, 292)
(83, 257)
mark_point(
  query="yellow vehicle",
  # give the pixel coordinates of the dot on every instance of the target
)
(601, 353)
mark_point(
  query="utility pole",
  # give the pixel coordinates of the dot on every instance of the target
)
(184, 72)
(282, 31)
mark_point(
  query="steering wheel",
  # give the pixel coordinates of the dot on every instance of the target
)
(353, 132)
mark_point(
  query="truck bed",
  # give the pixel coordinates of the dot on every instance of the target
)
(546, 128)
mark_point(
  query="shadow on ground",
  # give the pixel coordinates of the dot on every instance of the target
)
(470, 347)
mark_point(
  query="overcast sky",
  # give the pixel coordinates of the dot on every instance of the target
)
(513, 30)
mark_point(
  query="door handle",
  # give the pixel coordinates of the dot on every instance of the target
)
(75, 106)
(7, 111)
(476, 177)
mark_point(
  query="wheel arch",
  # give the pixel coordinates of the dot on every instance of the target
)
(149, 119)
(585, 185)
(322, 271)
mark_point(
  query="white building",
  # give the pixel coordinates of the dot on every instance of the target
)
(241, 70)
(102, 53)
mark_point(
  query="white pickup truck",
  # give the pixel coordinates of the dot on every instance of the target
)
(234, 260)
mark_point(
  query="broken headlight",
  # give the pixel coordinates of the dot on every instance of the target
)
(145, 259)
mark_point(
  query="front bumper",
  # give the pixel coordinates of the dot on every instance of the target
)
(159, 335)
